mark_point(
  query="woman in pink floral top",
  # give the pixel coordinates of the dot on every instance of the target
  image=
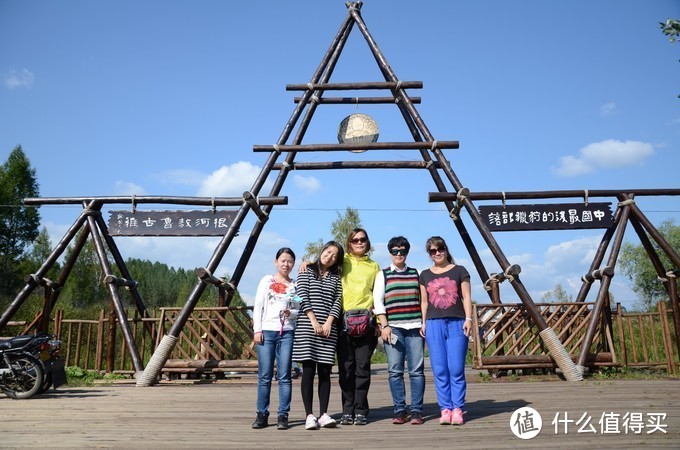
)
(274, 318)
(447, 322)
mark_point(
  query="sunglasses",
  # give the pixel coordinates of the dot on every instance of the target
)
(399, 251)
(434, 251)
(361, 240)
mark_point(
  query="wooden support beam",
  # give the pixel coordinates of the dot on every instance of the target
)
(357, 165)
(134, 200)
(356, 100)
(372, 146)
(361, 85)
(526, 195)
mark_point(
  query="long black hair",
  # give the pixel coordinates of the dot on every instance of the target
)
(336, 268)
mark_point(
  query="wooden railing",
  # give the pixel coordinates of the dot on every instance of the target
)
(220, 339)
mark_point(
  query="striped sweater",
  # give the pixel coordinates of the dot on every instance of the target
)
(401, 298)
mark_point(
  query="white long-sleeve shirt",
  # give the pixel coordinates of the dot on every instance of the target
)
(272, 297)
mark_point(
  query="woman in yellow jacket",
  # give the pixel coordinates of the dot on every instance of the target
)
(354, 353)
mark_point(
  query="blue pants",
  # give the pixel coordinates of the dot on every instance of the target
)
(447, 346)
(409, 347)
(280, 347)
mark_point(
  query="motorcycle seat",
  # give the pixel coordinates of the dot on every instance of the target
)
(16, 342)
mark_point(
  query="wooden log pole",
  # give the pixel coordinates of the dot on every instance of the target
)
(167, 344)
(598, 258)
(134, 200)
(350, 147)
(528, 195)
(358, 165)
(675, 305)
(547, 334)
(44, 268)
(356, 86)
(115, 297)
(357, 100)
(606, 281)
(654, 233)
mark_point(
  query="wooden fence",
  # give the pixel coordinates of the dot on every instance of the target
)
(218, 340)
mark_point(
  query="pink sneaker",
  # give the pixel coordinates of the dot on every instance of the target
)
(445, 419)
(457, 416)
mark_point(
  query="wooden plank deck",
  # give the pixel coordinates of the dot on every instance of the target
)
(218, 415)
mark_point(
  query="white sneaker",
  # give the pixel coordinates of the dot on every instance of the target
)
(327, 421)
(311, 423)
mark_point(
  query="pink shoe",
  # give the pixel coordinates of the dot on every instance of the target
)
(445, 419)
(457, 416)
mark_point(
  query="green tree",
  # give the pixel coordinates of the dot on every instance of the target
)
(18, 223)
(557, 295)
(636, 265)
(340, 229)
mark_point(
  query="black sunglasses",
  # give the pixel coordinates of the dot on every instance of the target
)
(434, 251)
(399, 251)
(361, 240)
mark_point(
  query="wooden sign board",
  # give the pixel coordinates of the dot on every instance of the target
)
(170, 223)
(566, 216)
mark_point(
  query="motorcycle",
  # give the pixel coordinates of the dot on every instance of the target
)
(21, 373)
(31, 364)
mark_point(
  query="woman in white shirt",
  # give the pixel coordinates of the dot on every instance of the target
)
(274, 318)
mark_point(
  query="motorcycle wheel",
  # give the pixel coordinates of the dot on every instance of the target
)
(28, 380)
(46, 384)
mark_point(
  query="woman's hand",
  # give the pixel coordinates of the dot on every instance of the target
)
(422, 330)
(386, 333)
(467, 327)
(326, 329)
(258, 337)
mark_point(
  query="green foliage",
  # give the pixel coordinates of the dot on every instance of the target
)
(18, 224)
(557, 295)
(340, 229)
(636, 265)
(671, 28)
(77, 377)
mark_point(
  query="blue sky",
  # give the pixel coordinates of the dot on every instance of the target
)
(169, 97)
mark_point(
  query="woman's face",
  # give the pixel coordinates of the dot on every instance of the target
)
(438, 254)
(329, 257)
(284, 264)
(359, 244)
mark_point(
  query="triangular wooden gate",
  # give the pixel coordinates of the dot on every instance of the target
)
(430, 149)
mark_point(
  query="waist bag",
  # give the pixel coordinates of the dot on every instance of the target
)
(357, 322)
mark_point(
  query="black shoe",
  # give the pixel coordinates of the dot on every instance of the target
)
(347, 419)
(282, 422)
(360, 419)
(261, 421)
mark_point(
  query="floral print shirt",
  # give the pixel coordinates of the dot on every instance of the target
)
(271, 299)
(444, 294)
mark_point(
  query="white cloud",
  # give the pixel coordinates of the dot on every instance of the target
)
(308, 185)
(606, 154)
(230, 181)
(128, 188)
(19, 79)
(608, 109)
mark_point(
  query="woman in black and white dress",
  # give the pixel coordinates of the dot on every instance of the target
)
(316, 334)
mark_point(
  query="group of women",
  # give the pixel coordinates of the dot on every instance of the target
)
(302, 320)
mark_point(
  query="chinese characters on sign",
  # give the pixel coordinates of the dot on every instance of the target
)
(170, 223)
(565, 216)
(526, 423)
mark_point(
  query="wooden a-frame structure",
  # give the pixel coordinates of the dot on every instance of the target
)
(433, 161)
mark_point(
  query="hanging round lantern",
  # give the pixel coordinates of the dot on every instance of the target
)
(358, 129)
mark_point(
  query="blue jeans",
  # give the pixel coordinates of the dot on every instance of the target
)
(409, 347)
(447, 346)
(280, 347)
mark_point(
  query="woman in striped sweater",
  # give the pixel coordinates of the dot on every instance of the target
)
(315, 336)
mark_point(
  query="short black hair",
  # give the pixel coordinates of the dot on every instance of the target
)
(399, 241)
